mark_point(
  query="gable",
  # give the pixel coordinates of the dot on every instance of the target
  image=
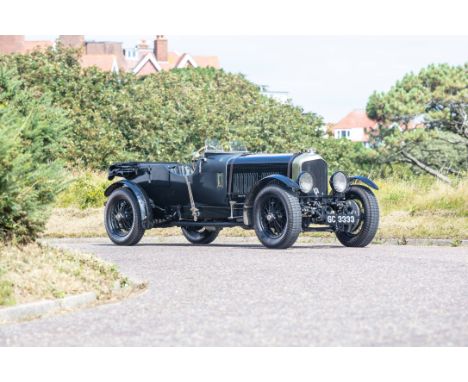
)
(186, 61)
(147, 68)
(147, 65)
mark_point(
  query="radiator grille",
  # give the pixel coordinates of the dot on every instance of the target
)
(319, 171)
(245, 178)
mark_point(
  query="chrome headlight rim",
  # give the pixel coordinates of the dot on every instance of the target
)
(335, 177)
(305, 182)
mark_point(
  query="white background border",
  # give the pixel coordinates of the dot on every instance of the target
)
(246, 17)
(234, 364)
(241, 17)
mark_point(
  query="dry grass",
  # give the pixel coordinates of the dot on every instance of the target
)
(421, 208)
(35, 272)
(74, 222)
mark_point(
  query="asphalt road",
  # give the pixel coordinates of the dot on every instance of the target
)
(235, 292)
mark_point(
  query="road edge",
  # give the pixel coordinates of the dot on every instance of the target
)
(41, 308)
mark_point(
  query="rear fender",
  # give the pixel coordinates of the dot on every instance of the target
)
(364, 180)
(284, 181)
(142, 198)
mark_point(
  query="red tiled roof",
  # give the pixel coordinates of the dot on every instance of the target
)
(102, 61)
(147, 68)
(355, 119)
(180, 58)
(36, 45)
(207, 61)
(172, 59)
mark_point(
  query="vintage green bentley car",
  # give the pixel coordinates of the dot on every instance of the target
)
(277, 195)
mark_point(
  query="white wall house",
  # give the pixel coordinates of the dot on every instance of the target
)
(354, 134)
(355, 126)
(281, 96)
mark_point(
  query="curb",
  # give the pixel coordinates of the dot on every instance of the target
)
(425, 242)
(402, 241)
(396, 241)
(41, 308)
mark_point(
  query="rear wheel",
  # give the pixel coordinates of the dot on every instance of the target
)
(277, 217)
(200, 235)
(121, 218)
(365, 231)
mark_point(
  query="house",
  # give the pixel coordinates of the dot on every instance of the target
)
(105, 62)
(279, 95)
(355, 126)
(110, 56)
(358, 127)
(143, 59)
(18, 44)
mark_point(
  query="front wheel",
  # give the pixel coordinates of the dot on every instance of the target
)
(365, 231)
(277, 217)
(200, 235)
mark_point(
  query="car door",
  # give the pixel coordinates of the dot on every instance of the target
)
(210, 180)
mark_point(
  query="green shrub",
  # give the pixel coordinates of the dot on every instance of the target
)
(30, 175)
(85, 190)
(7, 296)
(168, 115)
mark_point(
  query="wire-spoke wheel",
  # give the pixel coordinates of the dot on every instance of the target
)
(364, 232)
(273, 217)
(277, 217)
(200, 235)
(122, 220)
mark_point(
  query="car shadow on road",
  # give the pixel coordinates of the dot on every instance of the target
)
(230, 245)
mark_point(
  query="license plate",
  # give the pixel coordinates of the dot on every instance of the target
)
(341, 219)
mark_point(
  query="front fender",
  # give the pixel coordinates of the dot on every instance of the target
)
(364, 180)
(248, 204)
(142, 198)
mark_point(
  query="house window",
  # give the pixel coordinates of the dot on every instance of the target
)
(130, 53)
(342, 133)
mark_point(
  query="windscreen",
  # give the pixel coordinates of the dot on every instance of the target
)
(231, 146)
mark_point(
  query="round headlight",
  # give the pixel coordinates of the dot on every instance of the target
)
(339, 182)
(305, 182)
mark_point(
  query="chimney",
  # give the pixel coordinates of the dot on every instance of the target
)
(142, 45)
(160, 48)
(72, 41)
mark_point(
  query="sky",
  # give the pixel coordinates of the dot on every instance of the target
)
(330, 76)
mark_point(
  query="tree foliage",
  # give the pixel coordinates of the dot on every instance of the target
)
(168, 115)
(437, 98)
(31, 132)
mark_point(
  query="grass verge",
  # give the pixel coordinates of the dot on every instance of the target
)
(37, 272)
(420, 208)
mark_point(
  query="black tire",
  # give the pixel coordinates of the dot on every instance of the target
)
(200, 235)
(122, 218)
(367, 228)
(277, 217)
